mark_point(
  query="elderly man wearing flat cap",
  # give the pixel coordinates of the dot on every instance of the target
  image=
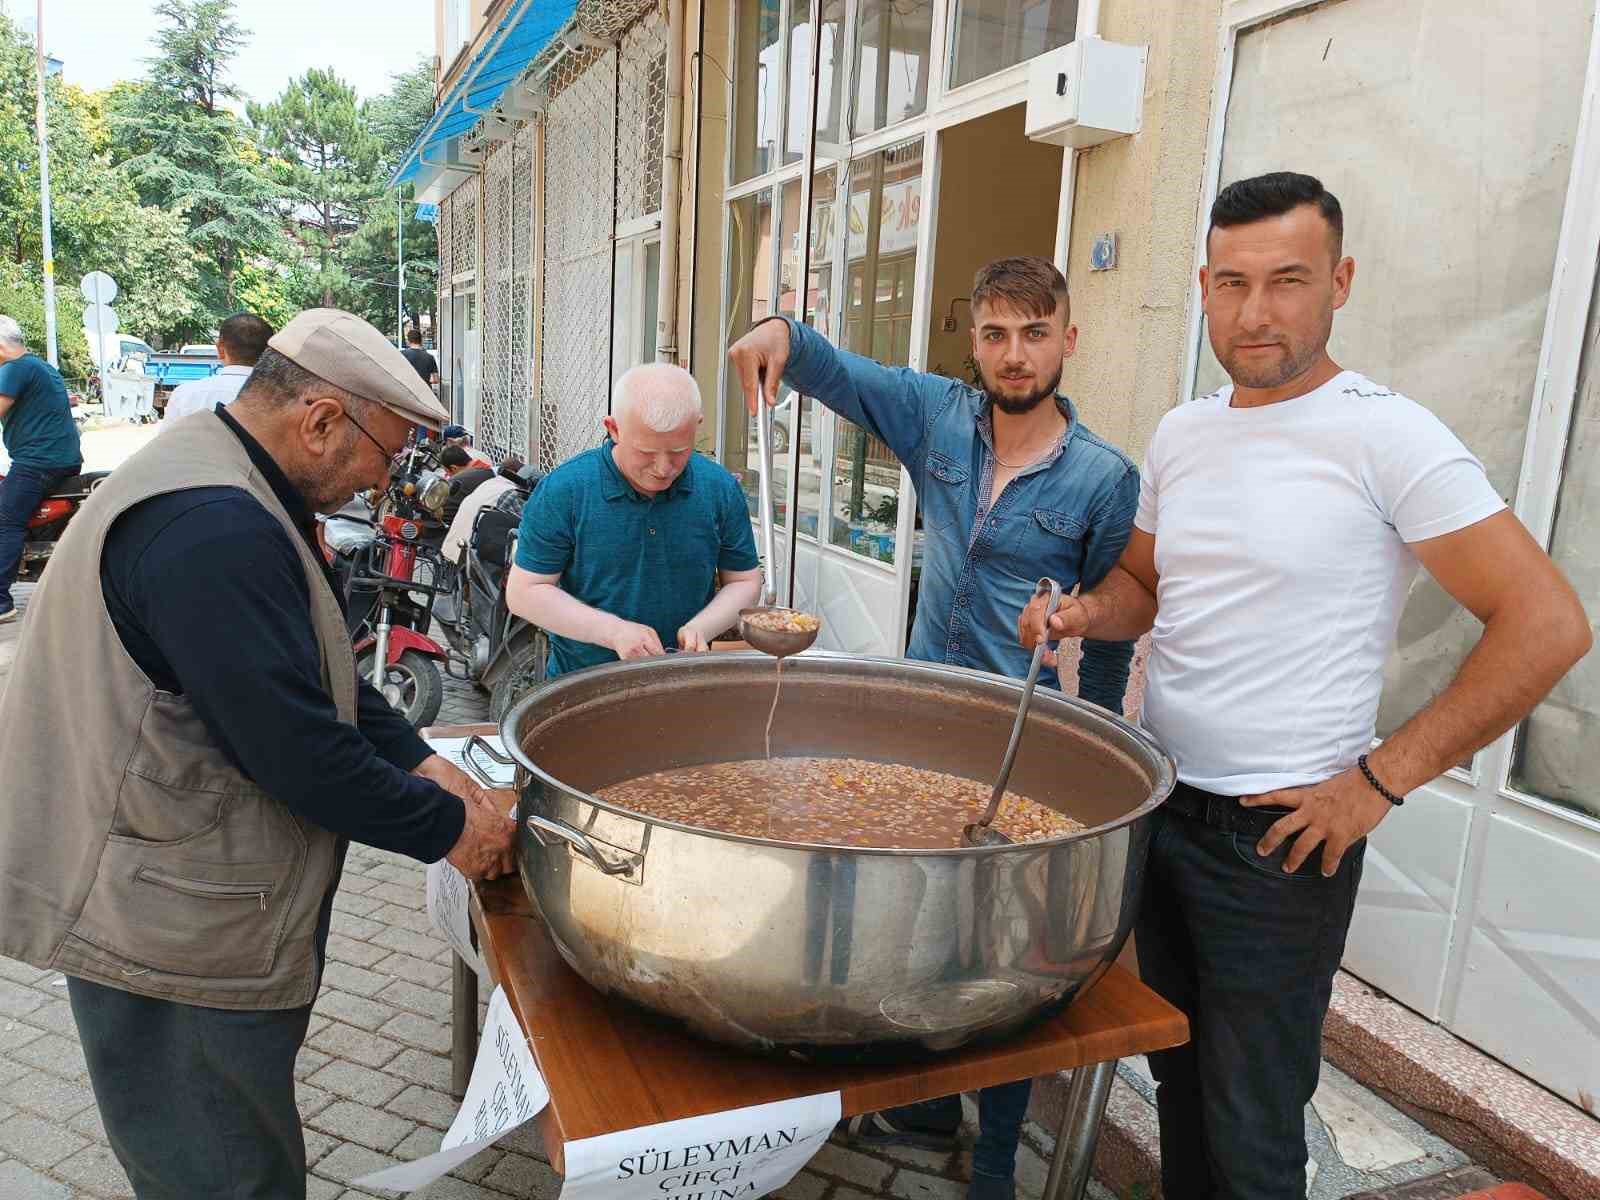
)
(187, 753)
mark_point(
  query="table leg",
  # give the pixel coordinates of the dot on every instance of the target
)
(463, 1024)
(1080, 1130)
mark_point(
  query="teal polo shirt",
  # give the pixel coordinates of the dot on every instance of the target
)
(39, 430)
(649, 559)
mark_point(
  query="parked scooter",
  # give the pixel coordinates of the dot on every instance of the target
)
(498, 651)
(388, 574)
(49, 522)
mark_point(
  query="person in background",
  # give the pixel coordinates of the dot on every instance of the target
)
(240, 340)
(1012, 486)
(1281, 522)
(620, 547)
(41, 439)
(460, 435)
(486, 493)
(421, 361)
(464, 473)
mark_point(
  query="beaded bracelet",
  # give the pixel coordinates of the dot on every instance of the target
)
(1378, 787)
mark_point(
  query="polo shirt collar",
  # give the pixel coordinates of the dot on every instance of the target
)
(615, 486)
(235, 369)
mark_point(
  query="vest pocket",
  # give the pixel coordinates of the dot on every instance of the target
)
(187, 916)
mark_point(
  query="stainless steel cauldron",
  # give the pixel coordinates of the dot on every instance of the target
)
(813, 950)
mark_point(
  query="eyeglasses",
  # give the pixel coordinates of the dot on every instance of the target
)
(387, 454)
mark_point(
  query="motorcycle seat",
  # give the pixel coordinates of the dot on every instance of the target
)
(77, 486)
(491, 536)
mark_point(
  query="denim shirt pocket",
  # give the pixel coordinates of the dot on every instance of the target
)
(1047, 542)
(944, 492)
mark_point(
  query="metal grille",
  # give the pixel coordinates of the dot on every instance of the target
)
(579, 187)
(441, 230)
(521, 371)
(464, 228)
(494, 432)
(641, 114)
(608, 18)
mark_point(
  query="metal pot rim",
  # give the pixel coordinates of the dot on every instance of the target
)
(1165, 779)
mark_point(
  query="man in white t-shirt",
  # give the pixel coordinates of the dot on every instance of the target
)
(1281, 522)
(240, 340)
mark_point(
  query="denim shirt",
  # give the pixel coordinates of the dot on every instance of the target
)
(1068, 516)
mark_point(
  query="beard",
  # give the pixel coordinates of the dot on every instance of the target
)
(1017, 406)
(330, 485)
(1263, 372)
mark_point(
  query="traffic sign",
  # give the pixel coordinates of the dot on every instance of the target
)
(98, 288)
(100, 318)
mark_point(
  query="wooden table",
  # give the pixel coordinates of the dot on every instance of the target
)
(608, 1066)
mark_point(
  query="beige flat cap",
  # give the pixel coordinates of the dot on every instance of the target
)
(349, 353)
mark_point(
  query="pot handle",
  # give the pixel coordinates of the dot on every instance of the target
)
(475, 769)
(580, 843)
(565, 832)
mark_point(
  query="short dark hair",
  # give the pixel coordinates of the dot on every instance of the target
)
(454, 456)
(1027, 283)
(510, 466)
(1272, 195)
(278, 381)
(413, 336)
(244, 336)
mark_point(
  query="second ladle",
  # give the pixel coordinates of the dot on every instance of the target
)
(780, 643)
(979, 832)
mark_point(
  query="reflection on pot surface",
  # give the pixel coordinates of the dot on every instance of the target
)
(817, 950)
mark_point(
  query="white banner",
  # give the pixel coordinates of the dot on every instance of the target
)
(506, 1091)
(739, 1155)
(448, 899)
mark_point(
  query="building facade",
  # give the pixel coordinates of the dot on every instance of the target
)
(656, 179)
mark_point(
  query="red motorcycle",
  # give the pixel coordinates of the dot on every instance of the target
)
(50, 522)
(389, 573)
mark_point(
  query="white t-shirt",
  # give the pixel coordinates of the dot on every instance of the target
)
(203, 395)
(1280, 542)
(478, 499)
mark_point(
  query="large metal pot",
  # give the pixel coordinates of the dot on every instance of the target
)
(814, 950)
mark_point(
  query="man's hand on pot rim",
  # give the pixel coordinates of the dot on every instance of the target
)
(486, 848)
(1334, 814)
(633, 640)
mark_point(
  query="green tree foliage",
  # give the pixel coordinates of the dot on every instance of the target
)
(97, 221)
(325, 160)
(187, 153)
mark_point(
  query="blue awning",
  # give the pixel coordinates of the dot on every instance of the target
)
(527, 27)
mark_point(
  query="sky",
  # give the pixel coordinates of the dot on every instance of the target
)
(366, 41)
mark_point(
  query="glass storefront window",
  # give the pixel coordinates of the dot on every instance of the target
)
(831, 69)
(885, 200)
(1555, 747)
(991, 35)
(891, 62)
(756, 90)
(749, 299)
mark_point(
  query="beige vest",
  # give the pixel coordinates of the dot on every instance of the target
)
(132, 852)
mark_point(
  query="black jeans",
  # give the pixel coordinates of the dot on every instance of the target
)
(1249, 954)
(195, 1101)
(1001, 1112)
(20, 493)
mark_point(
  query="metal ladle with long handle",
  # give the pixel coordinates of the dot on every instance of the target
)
(780, 643)
(979, 832)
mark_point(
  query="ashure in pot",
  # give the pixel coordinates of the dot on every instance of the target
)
(824, 951)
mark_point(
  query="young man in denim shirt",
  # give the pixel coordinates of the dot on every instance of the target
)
(1012, 486)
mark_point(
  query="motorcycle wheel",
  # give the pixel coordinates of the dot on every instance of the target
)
(412, 686)
(525, 673)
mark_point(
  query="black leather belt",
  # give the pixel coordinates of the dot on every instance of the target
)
(1221, 812)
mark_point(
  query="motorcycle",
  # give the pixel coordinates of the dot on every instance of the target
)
(388, 572)
(49, 522)
(492, 647)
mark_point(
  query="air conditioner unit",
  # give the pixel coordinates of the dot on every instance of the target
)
(1086, 92)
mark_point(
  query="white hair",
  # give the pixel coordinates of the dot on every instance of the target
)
(11, 332)
(665, 397)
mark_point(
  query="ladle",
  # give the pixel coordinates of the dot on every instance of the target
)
(979, 832)
(776, 642)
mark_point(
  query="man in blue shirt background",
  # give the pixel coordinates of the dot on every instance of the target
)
(41, 440)
(1011, 486)
(620, 546)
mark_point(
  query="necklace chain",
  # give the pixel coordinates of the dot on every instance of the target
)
(1021, 465)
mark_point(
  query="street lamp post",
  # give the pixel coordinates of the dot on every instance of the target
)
(44, 192)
